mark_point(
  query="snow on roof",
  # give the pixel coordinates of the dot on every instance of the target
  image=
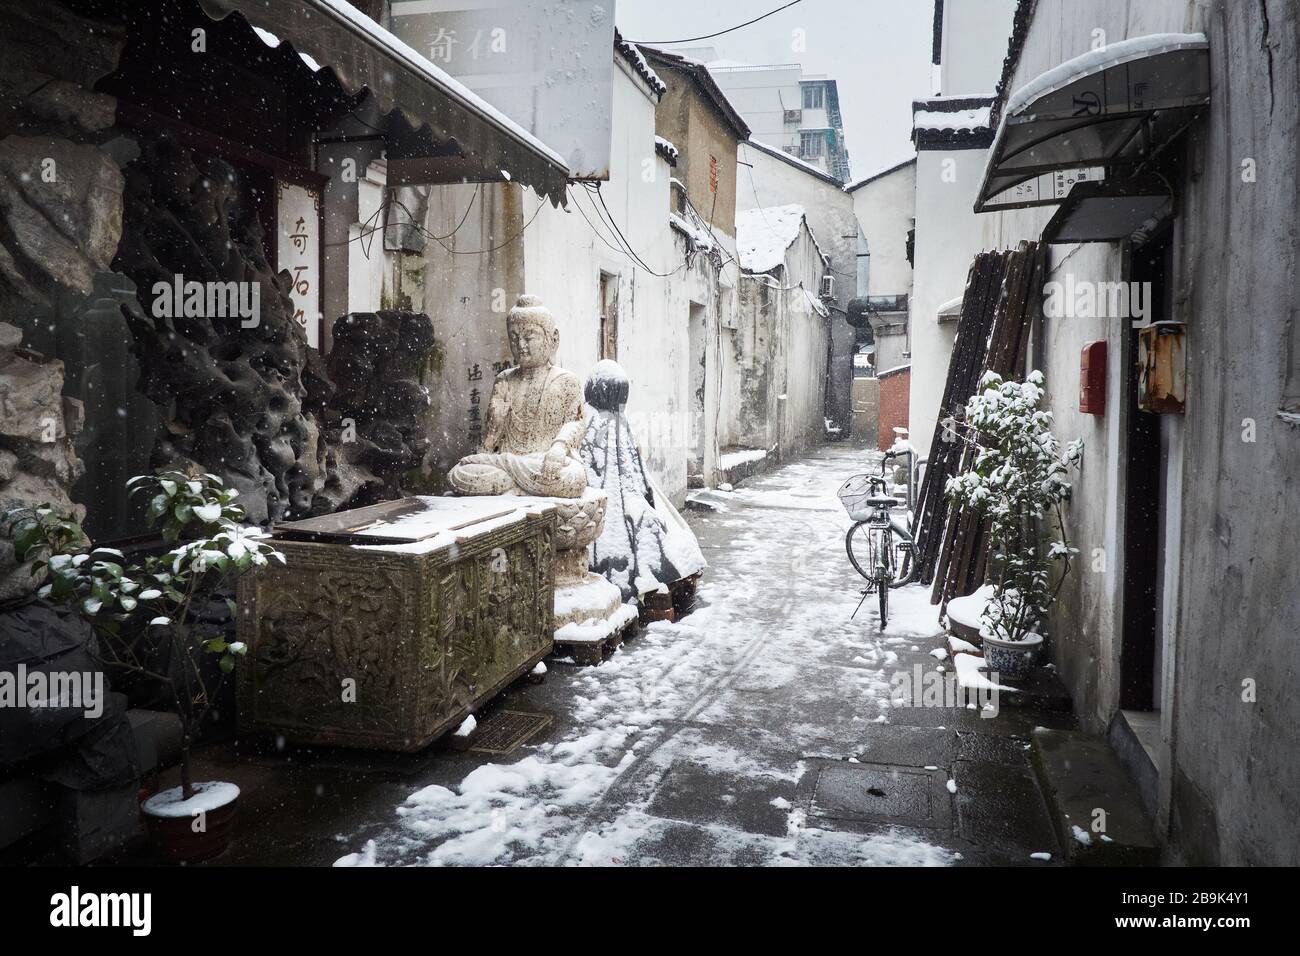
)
(632, 53)
(763, 235)
(972, 119)
(1094, 61)
(667, 150)
(699, 234)
(792, 160)
(893, 168)
(700, 74)
(273, 41)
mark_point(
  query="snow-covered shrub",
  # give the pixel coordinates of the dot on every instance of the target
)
(158, 600)
(1017, 478)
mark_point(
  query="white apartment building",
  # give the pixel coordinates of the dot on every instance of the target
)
(786, 109)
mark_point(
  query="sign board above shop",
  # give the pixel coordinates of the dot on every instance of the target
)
(546, 64)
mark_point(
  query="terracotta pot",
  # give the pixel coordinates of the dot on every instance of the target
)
(194, 830)
(1014, 659)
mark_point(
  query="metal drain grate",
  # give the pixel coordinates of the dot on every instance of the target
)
(505, 731)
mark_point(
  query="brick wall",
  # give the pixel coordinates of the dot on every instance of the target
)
(894, 386)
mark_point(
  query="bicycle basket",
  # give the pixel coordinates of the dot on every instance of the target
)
(853, 494)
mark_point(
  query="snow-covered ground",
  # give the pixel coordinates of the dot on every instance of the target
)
(766, 676)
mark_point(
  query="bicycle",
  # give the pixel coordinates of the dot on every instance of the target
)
(884, 562)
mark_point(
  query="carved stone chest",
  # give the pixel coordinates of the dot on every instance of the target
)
(387, 625)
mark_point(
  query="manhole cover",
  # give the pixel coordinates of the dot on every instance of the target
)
(879, 793)
(505, 731)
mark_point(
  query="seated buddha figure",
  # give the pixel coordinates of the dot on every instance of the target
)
(534, 424)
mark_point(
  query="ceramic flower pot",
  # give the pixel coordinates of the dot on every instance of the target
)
(193, 830)
(1013, 659)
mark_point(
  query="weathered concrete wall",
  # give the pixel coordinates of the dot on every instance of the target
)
(702, 302)
(468, 306)
(772, 181)
(1084, 627)
(891, 344)
(782, 341)
(886, 209)
(1230, 778)
(706, 143)
(948, 235)
(1237, 770)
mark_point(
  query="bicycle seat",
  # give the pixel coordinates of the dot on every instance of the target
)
(868, 508)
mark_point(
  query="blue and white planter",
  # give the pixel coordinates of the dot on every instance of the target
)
(1013, 659)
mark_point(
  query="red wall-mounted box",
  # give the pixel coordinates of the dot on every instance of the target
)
(1092, 379)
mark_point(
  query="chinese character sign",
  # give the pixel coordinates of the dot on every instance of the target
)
(298, 251)
(548, 66)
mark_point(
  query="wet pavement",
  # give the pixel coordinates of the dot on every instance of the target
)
(760, 729)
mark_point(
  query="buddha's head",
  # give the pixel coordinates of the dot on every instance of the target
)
(532, 333)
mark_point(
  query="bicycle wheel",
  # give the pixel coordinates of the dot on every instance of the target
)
(867, 565)
(883, 587)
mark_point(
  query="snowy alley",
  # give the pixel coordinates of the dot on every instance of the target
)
(735, 736)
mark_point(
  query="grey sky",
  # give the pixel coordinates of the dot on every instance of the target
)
(877, 50)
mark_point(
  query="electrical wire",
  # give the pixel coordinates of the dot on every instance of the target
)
(607, 218)
(624, 252)
(599, 235)
(480, 252)
(632, 252)
(426, 233)
(710, 36)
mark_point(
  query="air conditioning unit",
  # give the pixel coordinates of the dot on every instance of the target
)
(793, 117)
(828, 287)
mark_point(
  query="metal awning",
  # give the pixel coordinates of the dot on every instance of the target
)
(1107, 108)
(1111, 212)
(475, 141)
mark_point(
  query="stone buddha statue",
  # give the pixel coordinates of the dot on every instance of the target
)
(534, 423)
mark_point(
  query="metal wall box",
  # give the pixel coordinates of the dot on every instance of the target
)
(1162, 368)
(387, 625)
(1092, 379)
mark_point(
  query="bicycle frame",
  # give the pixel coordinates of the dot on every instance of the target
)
(883, 527)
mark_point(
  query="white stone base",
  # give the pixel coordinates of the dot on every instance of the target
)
(592, 599)
(595, 630)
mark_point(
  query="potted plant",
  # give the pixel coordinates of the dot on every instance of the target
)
(152, 611)
(1016, 481)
